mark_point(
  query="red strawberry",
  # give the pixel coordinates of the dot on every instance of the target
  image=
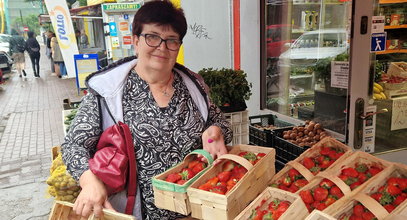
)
(293, 173)
(224, 176)
(374, 170)
(320, 193)
(193, 163)
(321, 206)
(181, 182)
(199, 167)
(336, 191)
(308, 163)
(368, 216)
(355, 184)
(326, 163)
(334, 155)
(403, 183)
(306, 196)
(187, 173)
(376, 196)
(287, 181)
(241, 154)
(326, 183)
(173, 177)
(393, 190)
(354, 217)
(293, 188)
(220, 189)
(325, 151)
(350, 172)
(260, 155)
(300, 183)
(389, 207)
(399, 199)
(362, 177)
(358, 210)
(329, 200)
(393, 181)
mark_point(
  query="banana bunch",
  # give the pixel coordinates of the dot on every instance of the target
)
(378, 91)
(61, 185)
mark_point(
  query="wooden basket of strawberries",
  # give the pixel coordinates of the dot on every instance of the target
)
(226, 188)
(357, 170)
(382, 197)
(171, 186)
(299, 172)
(275, 204)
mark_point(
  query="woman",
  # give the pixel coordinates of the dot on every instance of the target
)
(59, 63)
(33, 48)
(165, 105)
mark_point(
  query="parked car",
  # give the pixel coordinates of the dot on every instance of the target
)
(5, 42)
(315, 45)
(5, 62)
(276, 44)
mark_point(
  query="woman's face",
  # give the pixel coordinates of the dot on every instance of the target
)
(156, 58)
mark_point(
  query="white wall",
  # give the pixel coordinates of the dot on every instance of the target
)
(250, 49)
(209, 40)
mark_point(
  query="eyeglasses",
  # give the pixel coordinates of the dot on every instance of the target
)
(153, 40)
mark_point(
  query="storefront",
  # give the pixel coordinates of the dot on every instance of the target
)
(313, 60)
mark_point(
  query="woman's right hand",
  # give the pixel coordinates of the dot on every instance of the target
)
(93, 196)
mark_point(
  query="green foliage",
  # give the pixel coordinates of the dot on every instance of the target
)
(322, 68)
(378, 70)
(227, 86)
(31, 21)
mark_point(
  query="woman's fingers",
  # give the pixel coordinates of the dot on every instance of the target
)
(108, 205)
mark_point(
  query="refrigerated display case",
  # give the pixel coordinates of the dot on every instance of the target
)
(299, 80)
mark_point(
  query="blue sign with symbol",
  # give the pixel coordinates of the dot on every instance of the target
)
(126, 16)
(113, 29)
(378, 42)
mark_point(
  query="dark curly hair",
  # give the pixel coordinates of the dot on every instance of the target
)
(162, 13)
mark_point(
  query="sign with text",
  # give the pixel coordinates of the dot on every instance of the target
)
(377, 24)
(339, 74)
(399, 114)
(64, 31)
(85, 64)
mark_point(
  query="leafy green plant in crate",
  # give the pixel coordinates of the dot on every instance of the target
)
(229, 88)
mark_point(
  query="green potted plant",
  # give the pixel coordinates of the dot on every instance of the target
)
(228, 88)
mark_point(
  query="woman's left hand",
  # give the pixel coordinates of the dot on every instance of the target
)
(213, 142)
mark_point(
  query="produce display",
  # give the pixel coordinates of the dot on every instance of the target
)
(267, 127)
(291, 182)
(359, 212)
(231, 173)
(321, 196)
(69, 118)
(307, 135)
(320, 162)
(61, 184)
(272, 210)
(392, 193)
(378, 91)
(355, 177)
(187, 173)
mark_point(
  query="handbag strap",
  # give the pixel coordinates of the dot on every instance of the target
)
(132, 179)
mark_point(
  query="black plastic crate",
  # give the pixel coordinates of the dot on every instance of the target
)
(279, 165)
(259, 136)
(285, 151)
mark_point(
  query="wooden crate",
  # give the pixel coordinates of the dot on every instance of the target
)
(362, 195)
(297, 208)
(318, 215)
(63, 211)
(54, 152)
(208, 205)
(172, 196)
(315, 149)
(351, 161)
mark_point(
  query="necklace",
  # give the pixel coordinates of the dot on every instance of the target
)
(165, 93)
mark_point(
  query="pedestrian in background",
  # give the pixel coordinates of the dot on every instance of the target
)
(50, 34)
(58, 59)
(16, 50)
(84, 39)
(33, 48)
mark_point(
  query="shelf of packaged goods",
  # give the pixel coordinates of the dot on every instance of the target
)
(395, 26)
(392, 51)
(392, 1)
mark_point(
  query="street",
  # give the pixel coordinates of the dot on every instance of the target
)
(30, 125)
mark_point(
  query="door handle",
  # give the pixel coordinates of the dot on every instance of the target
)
(369, 115)
(358, 131)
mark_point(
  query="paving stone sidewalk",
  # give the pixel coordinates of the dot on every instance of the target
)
(30, 125)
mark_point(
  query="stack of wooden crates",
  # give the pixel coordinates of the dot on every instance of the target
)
(240, 126)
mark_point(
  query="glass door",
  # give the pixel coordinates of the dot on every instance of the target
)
(307, 64)
(389, 89)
